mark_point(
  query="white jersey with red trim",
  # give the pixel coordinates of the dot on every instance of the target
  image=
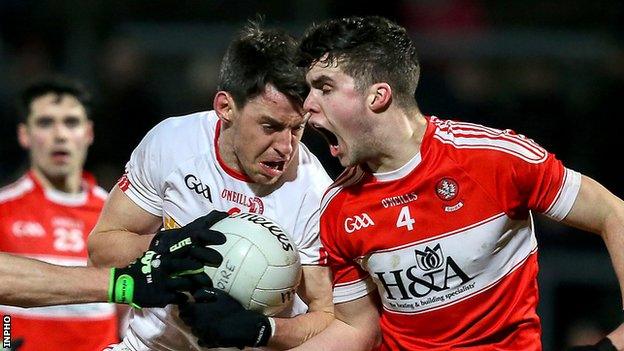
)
(176, 173)
(448, 239)
(53, 226)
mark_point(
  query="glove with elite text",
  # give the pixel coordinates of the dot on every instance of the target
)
(603, 345)
(217, 320)
(194, 234)
(174, 263)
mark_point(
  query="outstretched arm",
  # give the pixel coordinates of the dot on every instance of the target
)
(27, 282)
(599, 211)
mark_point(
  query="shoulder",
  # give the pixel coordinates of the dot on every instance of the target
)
(469, 140)
(99, 192)
(311, 171)
(340, 190)
(183, 128)
(16, 190)
(177, 139)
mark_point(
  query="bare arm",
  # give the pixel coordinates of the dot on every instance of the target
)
(356, 327)
(27, 282)
(599, 211)
(316, 290)
(122, 233)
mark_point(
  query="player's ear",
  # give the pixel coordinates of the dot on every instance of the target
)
(90, 134)
(224, 106)
(379, 97)
(22, 136)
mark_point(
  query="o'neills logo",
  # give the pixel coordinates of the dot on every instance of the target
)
(399, 200)
(273, 228)
(254, 204)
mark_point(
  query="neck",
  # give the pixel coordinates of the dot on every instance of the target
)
(226, 149)
(69, 183)
(399, 140)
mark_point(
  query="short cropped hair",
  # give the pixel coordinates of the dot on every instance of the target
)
(257, 57)
(370, 49)
(58, 85)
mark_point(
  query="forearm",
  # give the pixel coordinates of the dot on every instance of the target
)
(341, 336)
(116, 248)
(290, 332)
(28, 283)
(613, 236)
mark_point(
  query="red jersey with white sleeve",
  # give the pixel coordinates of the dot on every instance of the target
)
(448, 240)
(53, 226)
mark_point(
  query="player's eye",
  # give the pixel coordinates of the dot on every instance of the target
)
(72, 122)
(269, 128)
(44, 122)
(326, 89)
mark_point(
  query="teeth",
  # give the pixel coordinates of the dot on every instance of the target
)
(274, 165)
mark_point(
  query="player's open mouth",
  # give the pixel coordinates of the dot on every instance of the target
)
(330, 137)
(276, 165)
(59, 155)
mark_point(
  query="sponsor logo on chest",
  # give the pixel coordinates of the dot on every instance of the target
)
(432, 273)
(452, 267)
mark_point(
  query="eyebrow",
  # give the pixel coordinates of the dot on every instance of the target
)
(278, 123)
(320, 80)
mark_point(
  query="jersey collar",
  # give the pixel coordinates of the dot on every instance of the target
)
(62, 198)
(412, 163)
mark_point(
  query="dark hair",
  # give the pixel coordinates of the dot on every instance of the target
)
(369, 49)
(58, 85)
(257, 57)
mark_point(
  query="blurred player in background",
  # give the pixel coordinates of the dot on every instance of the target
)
(434, 217)
(245, 155)
(158, 278)
(48, 213)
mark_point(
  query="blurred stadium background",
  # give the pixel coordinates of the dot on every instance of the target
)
(552, 70)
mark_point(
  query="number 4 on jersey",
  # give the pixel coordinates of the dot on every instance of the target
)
(405, 219)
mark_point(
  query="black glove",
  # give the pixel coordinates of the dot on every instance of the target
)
(154, 280)
(217, 320)
(603, 345)
(174, 263)
(194, 234)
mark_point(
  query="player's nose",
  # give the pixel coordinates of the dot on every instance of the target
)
(310, 105)
(283, 142)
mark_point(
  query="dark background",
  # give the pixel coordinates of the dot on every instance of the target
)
(552, 70)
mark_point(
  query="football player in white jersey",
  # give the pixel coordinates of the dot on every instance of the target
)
(246, 155)
(431, 225)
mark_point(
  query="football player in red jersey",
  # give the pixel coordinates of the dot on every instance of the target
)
(48, 212)
(429, 230)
